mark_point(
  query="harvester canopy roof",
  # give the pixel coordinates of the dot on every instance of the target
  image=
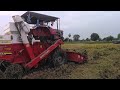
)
(36, 16)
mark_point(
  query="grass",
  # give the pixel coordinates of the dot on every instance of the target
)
(88, 42)
(103, 63)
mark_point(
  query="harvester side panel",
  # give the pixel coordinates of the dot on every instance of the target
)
(6, 52)
(44, 54)
(39, 47)
(76, 57)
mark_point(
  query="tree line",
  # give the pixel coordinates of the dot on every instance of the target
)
(93, 37)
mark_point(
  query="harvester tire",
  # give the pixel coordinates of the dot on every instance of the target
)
(14, 71)
(2, 76)
(59, 58)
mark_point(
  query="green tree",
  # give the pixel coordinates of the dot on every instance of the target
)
(87, 39)
(118, 36)
(94, 37)
(66, 39)
(109, 38)
(76, 37)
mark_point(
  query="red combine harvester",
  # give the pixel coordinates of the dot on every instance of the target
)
(29, 42)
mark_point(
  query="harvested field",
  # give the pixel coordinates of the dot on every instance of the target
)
(103, 63)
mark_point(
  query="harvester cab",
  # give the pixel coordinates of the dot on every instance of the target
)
(42, 26)
(30, 41)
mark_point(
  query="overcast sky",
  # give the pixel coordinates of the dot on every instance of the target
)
(84, 23)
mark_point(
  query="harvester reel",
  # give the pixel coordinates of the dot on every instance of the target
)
(14, 71)
(59, 58)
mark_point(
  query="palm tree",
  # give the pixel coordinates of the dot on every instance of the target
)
(69, 35)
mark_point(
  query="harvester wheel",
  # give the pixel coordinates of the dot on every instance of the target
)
(59, 58)
(2, 76)
(14, 71)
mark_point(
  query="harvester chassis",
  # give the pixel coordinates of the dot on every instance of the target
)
(47, 50)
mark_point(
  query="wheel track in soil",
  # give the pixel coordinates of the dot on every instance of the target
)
(61, 72)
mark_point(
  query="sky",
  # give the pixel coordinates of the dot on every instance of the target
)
(84, 23)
